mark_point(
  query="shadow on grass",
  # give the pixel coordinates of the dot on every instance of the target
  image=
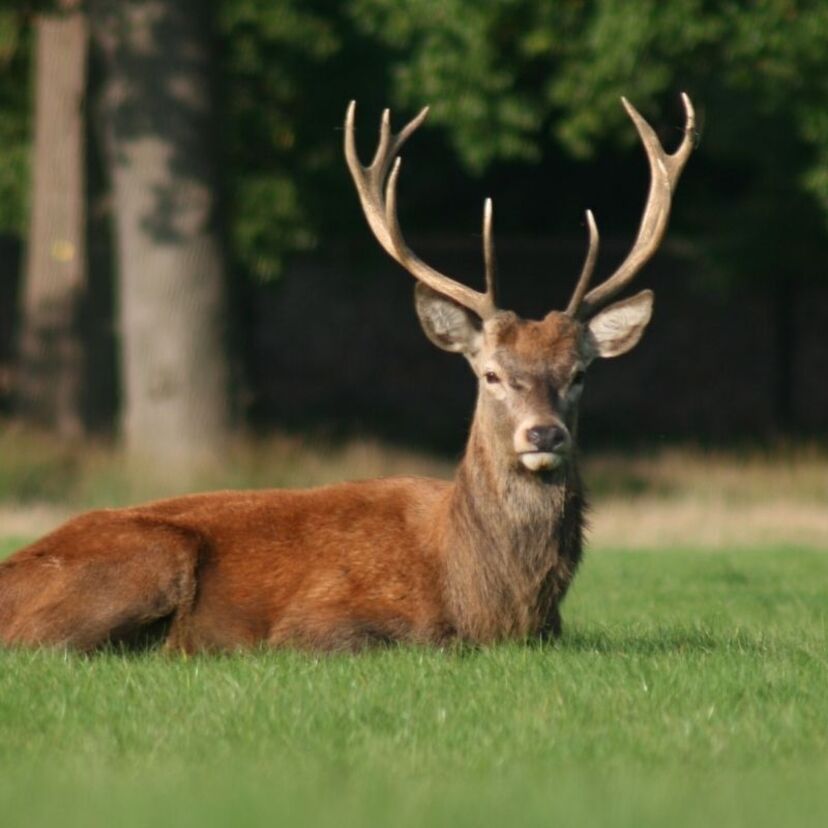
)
(658, 641)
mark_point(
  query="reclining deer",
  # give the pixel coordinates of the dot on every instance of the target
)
(481, 559)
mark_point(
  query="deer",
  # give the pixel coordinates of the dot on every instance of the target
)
(484, 558)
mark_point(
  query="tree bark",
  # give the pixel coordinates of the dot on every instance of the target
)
(50, 379)
(157, 119)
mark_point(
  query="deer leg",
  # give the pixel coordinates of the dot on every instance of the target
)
(85, 589)
(552, 627)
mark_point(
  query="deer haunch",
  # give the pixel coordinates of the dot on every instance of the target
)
(103, 577)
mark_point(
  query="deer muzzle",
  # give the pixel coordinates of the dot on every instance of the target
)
(542, 447)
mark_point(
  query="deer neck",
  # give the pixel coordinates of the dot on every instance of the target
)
(509, 533)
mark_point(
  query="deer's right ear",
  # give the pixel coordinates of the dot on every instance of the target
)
(448, 325)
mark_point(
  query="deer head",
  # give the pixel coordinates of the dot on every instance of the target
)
(531, 373)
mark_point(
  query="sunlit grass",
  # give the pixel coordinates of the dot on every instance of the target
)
(689, 688)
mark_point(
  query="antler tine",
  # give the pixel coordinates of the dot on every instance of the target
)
(665, 170)
(381, 210)
(488, 249)
(588, 268)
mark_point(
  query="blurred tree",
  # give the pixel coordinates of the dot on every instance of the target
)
(158, 118)
(50, 379)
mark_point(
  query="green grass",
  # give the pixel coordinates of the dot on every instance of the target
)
(691, 688)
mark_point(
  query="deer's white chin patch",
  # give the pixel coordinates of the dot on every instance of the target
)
(541, 460)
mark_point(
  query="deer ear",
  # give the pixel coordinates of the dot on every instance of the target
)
(448, 325)
(617, 329)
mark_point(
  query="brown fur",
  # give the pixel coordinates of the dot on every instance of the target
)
(485, 558)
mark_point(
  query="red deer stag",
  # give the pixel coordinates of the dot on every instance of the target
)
(484, 558)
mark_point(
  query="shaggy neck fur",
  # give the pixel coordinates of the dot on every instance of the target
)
(513, 540)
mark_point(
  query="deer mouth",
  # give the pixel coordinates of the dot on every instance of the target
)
(541, 460)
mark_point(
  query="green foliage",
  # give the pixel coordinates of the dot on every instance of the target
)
(508, 75)
(510, 82)
(269, 54)
(464, 58)
(688, 691)
(779, 59)
(571, 61)
(286, 73)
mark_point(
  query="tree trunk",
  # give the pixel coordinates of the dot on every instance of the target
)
(158, 126)
(50, 382)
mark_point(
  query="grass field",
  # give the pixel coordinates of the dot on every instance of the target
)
(690, 689)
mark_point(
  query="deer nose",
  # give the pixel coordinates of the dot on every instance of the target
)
(546, 438)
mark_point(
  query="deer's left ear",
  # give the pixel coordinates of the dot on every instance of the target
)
(617, 329)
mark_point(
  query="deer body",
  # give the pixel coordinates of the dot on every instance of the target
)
(338, 567)
(487, 557)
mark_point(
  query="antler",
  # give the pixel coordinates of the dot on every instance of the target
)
(381, 212)
(588, 268)
(664, 175)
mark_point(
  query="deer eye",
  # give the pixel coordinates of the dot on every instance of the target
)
(577, 380)
(491, 377)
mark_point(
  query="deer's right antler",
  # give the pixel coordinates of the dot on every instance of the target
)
(381, 212)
